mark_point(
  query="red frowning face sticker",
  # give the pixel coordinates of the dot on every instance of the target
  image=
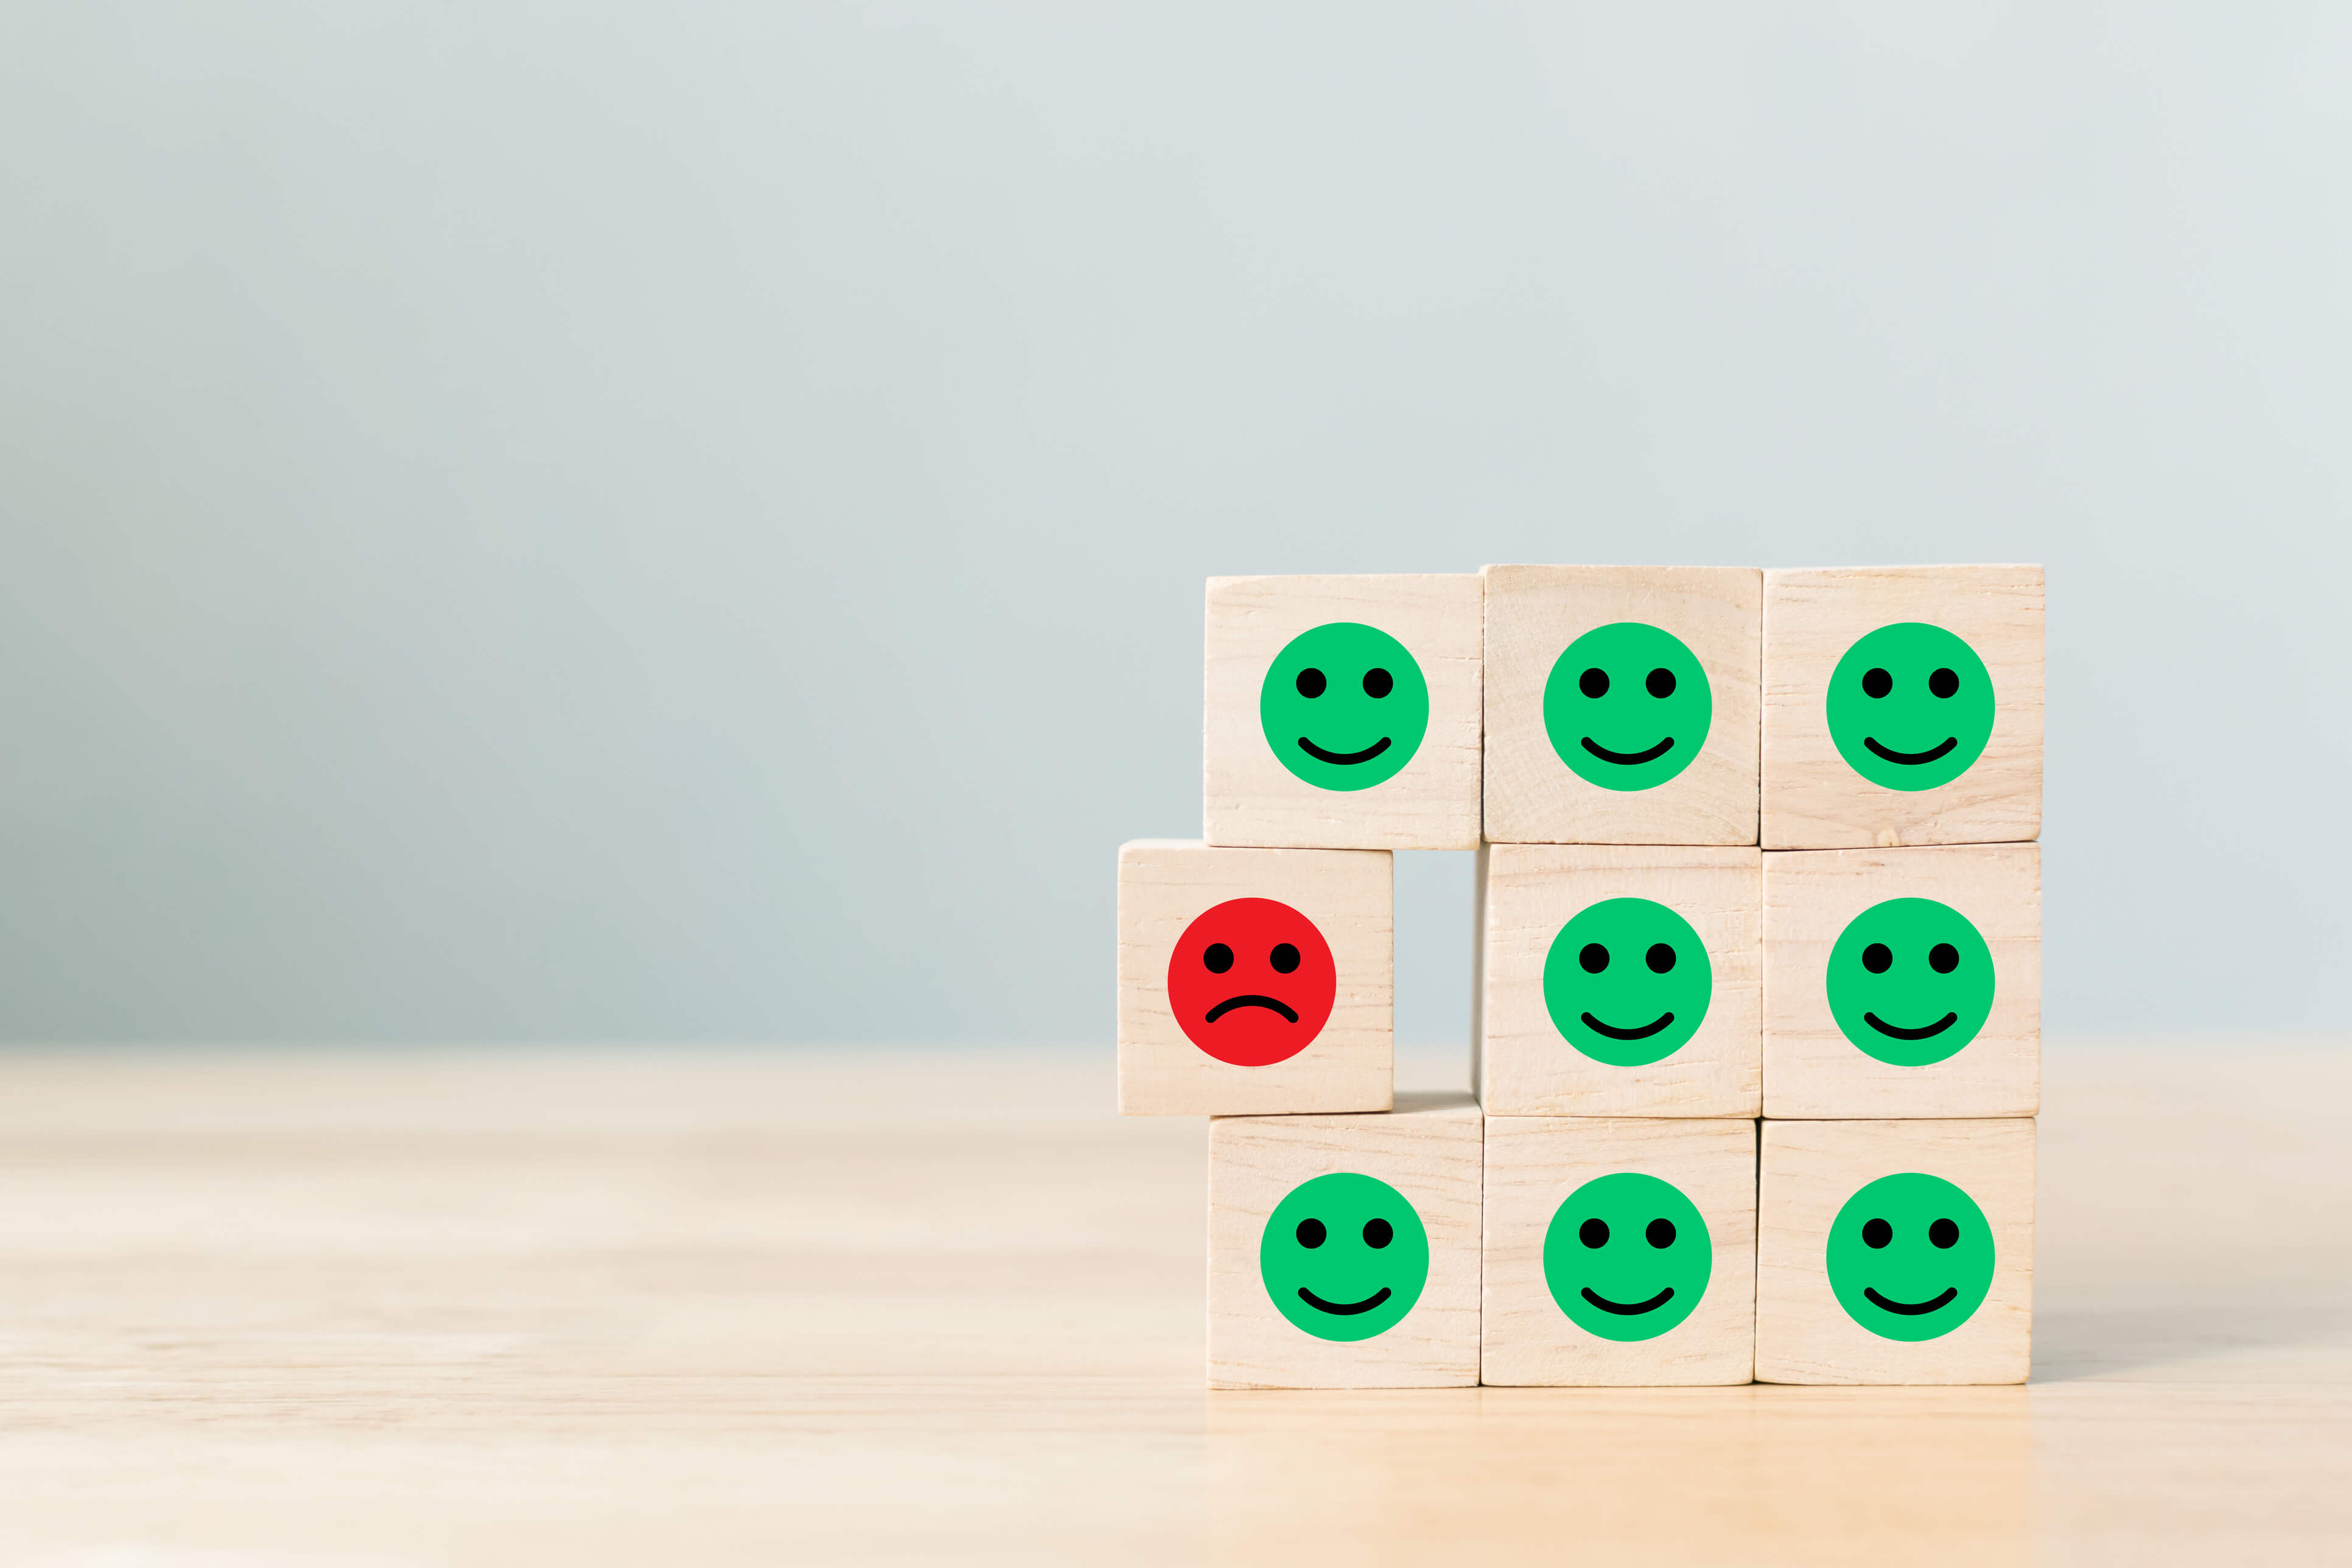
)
(1251, 981)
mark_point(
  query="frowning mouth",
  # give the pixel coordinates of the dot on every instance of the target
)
(1912, 1309)
(1345, 759)
(1636, 1308)
(1229, 1003)
(1614, 1033)
(1343, 1309)
(1897, 1032)
(1627, 759)
(1910, 758)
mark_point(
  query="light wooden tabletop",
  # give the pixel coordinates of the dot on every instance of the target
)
(705, 1307)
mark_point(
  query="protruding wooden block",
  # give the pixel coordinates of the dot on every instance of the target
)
(1622, 703)
(1903, 981)
(1619, 1252)
(1253, 981)
(1902, 705)
(1581, 1013)
(1895, 1252)
(1342, 712)
(1343, 1250)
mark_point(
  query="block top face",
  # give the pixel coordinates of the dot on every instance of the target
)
(1902, 705)
(1622, 704)
(1342, 712)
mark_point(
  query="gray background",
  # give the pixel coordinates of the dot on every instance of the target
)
(610, 522)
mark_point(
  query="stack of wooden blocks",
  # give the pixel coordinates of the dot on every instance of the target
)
(1756, 1034)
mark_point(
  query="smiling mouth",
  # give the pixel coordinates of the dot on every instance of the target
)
(1268, 1002)
(1627, 759)
(1345, 759)
(1910, 758)
(1614, 1033)
(1343, 1309)
(1912, 1309)
(1897, 1032)
(1637, 1308)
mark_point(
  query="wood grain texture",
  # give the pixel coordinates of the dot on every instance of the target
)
(1533, 613)
(1812, 799)
(1428, 1150)
(1812, 1070)
(1526, 1067)
(1809, 1170)
(1533, 1165)
(1432, 803)
(1164, 884)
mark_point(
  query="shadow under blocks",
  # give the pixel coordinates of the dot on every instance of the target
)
(1756, 1015)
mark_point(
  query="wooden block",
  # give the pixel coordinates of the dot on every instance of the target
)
(1661, 1290)
(1343, 1250)
(1903, 981)
(1253, 981)
(1564, 746)
(1554, 1035)
(1895, 1252)
(1342, 712)
(1902, 705)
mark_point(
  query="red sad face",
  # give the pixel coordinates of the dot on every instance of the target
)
(1251, 981)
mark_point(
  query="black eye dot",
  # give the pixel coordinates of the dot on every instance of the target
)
(1661, 683)
(1593, 1231)
(1943, 683)
(1878, 682)
(1876, 1233)
(1876, 958)
(1595, 958)
(1593, 683)
(1379, 1233)
(1661, 1233)
(1310, 1233)
(1378, 683)
(1943, 958)
(1311, 682)
(1943, 1233)
(1285, 958)
(1660, 958)
(1218, 958)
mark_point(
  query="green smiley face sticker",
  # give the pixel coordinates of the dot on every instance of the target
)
(1910, 981)
(1910, 706)
(1627, 982)
(1627, 1257)
(1910, 1257)
(1344, 706)
(1344, 1257)
(1627, 706)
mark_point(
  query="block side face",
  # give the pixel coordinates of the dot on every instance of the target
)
(1813, 797)
(1252, 799)
(1813, 1070)
(1348, 894)
(1533, 615)
(1534, 1166)
(1528, 1065)
(1809, 1170)
(1432, 1157)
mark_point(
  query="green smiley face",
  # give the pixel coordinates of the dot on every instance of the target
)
(1910, 981)
(1627, 706)
(1627, 1257)
(1344, 706)
(1910, 706)
(1627, 982)
(1910, 1257)
(1344, 1257)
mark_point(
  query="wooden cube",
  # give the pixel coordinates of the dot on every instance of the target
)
(1343, 1250)
(1895, 1252)
(1619, 1252)
(1563, 1030)
(1902, 705)
(1622, 704)
(1342, 712)
(1903, 981)
(1253, 981)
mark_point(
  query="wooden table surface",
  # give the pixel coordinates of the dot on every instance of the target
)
(895, 1306)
